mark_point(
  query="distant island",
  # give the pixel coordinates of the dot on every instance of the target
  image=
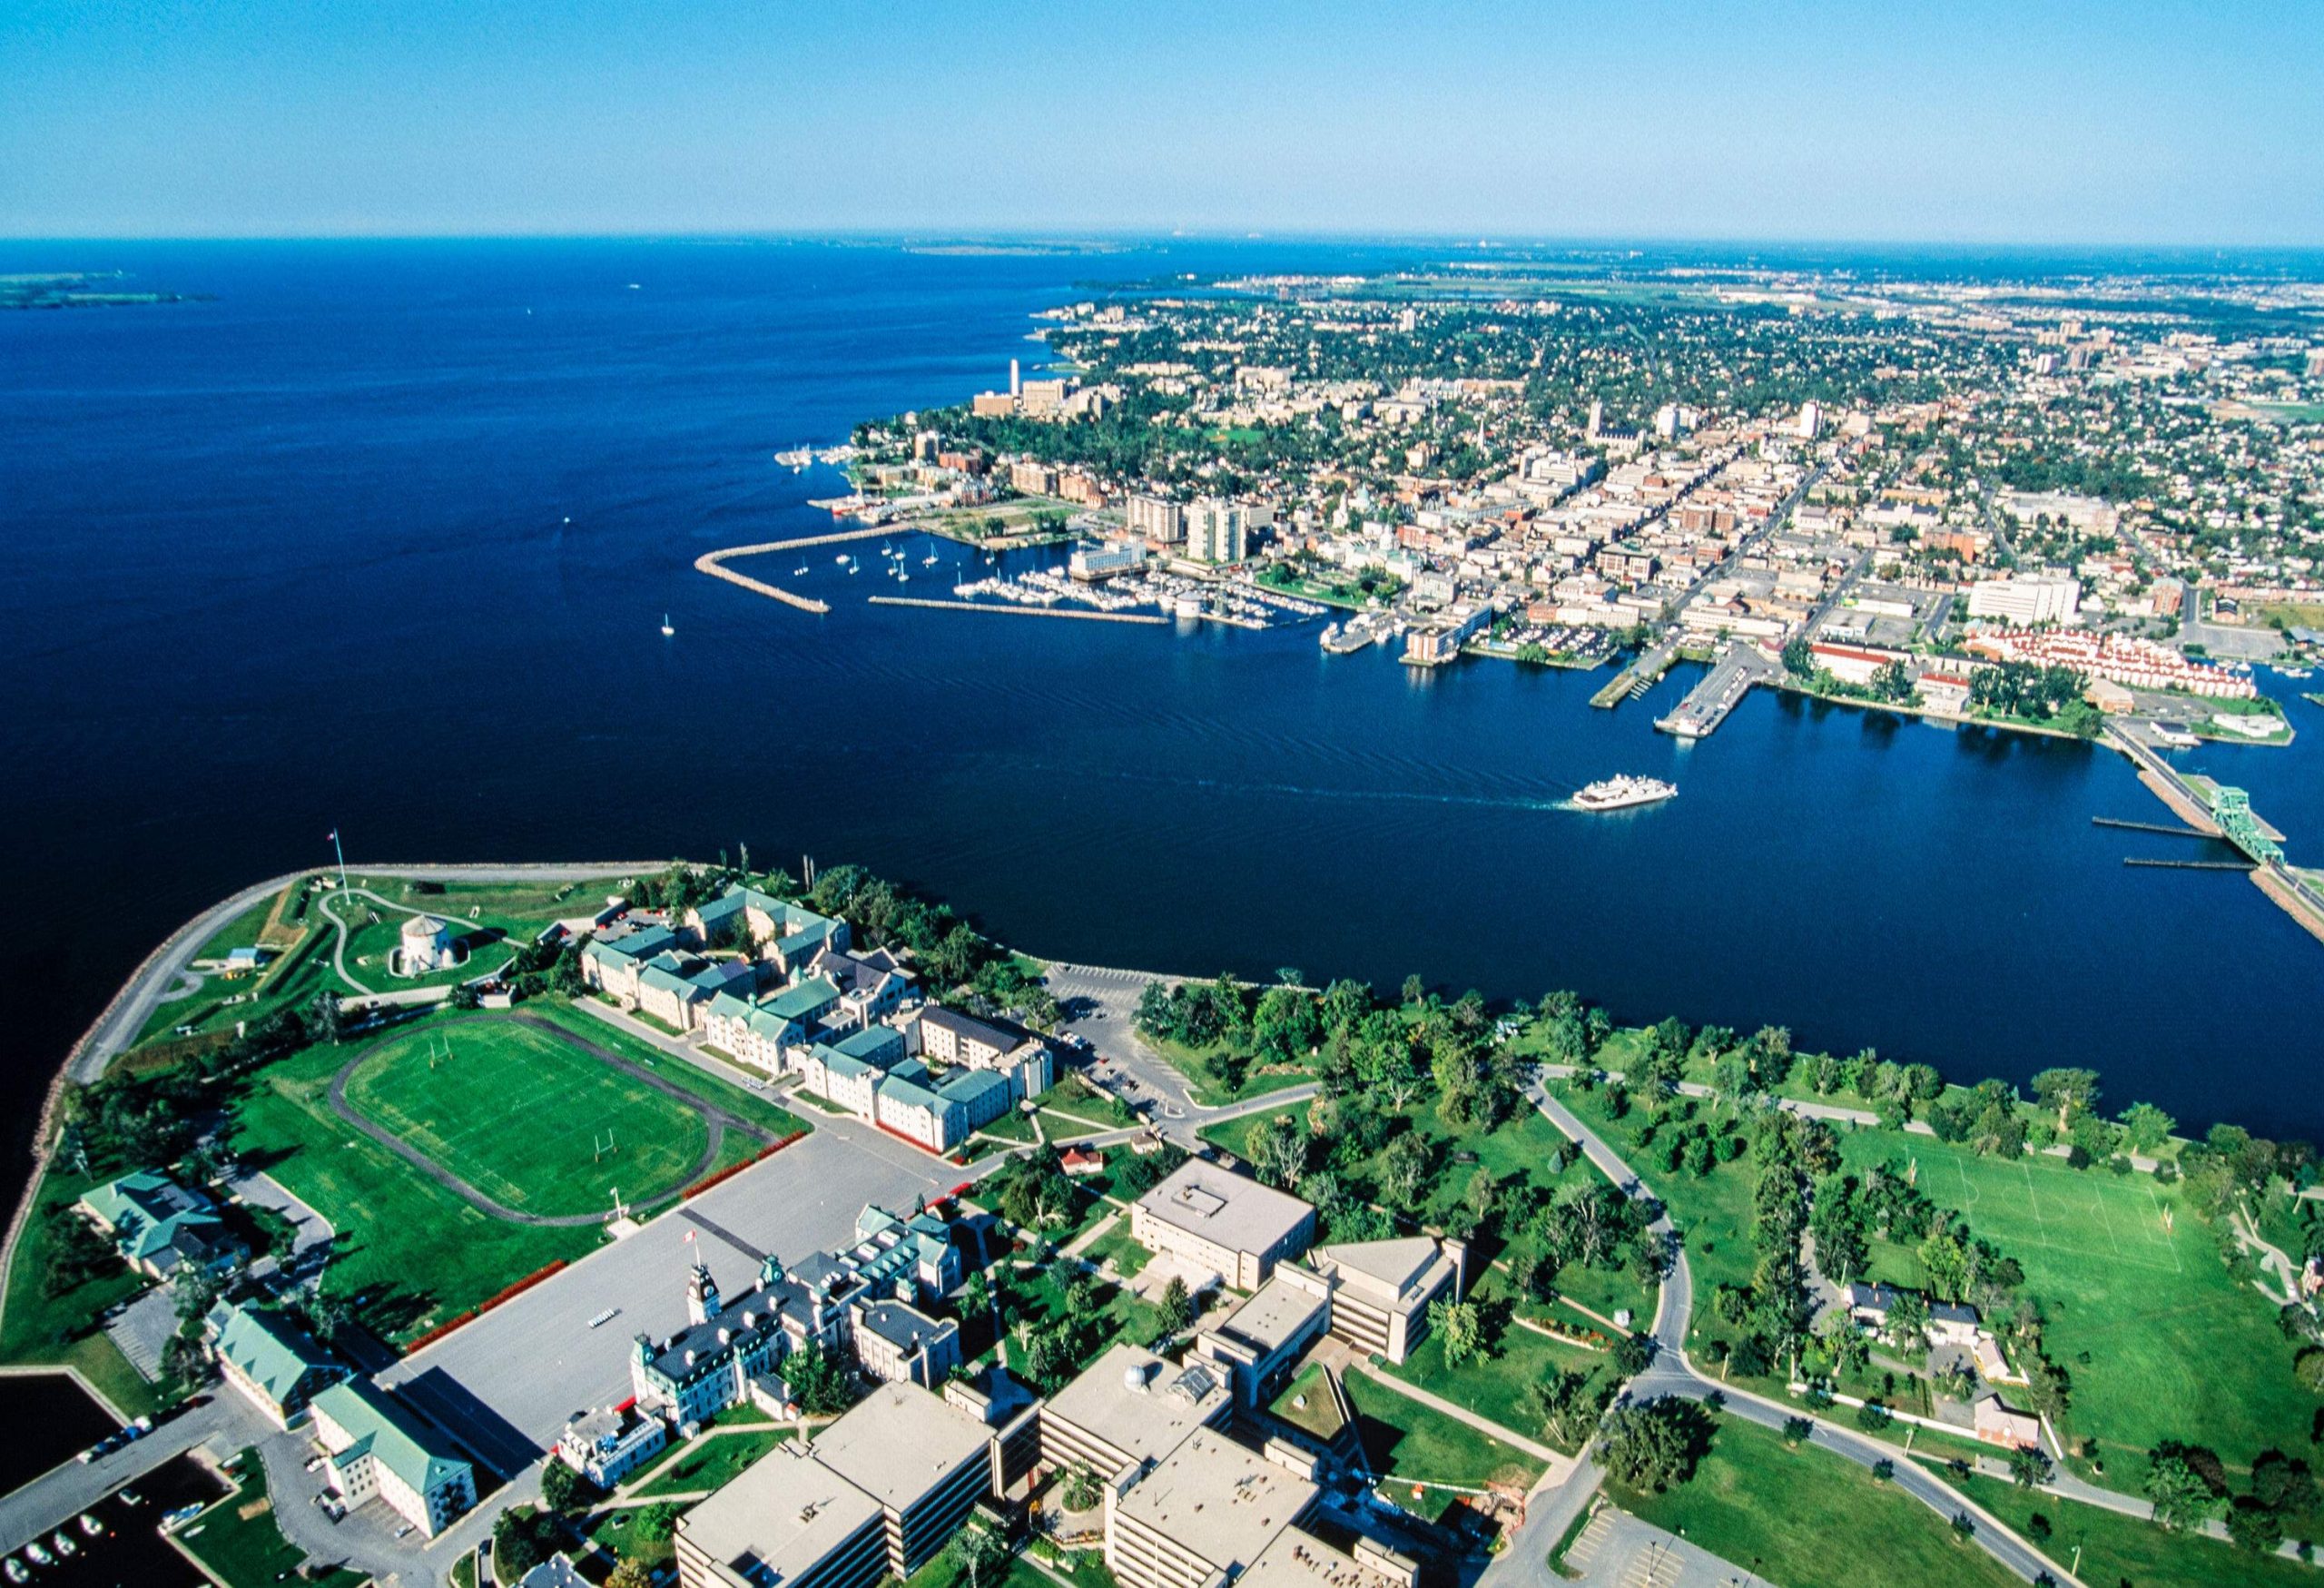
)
(78, 290)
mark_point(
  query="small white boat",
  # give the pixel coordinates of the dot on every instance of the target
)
(91, 1525)
(841, 559)
(64, 1543)
(37, 1556)
(800, 572)
(17, 1571)
(666, 630)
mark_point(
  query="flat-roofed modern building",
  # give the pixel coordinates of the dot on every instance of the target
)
(875, 1493)
(1209, 1510)
(786, 1521)
(1211, 1218)
(1129, 1408)
(1381, 1289)
(1259, 1342)
(923, 1459)
(1300, 1560)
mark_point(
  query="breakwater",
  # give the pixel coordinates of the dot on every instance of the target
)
(714, 563)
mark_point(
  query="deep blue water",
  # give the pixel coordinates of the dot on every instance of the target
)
(299, 558)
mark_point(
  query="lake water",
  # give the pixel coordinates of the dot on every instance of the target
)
(381, 538)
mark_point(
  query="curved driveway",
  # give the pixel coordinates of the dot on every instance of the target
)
(716, 1119)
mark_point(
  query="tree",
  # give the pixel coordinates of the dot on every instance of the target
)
(2147, 1126)
(517, 1545)
(1799, 660)
(1564, 1404)
(1656, 1444)
(1460, 1326)
(1080, 1491)
(1279, 1150)
(327, 1019)
(2066, 1093)
(631, 1573)
(2029, 1469)
(1633, 1353)
(1177, 1307)
(1404, 1169)
(564, 1489)
(982, 1552)
(2182, 1498)
(1796, 1430)
(2254, 1527)
(821, 1381)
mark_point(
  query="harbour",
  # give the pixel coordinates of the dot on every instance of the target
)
(1340, 793)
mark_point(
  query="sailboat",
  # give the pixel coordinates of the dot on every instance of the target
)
(666, 630)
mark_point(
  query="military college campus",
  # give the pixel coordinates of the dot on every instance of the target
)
(731, 1228)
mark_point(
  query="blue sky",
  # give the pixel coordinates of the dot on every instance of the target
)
(2153, 123)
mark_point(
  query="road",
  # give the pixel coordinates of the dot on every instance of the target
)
(1525, 1563)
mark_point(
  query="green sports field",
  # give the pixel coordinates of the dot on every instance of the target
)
(2160, 1341)
(528, 1118)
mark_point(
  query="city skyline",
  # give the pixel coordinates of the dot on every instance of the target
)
(2052, 127)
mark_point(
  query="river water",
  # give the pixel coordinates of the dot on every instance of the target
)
(380, 538)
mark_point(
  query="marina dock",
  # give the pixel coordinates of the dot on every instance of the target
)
(1720, 691)
(1639, 677)
(942, 605)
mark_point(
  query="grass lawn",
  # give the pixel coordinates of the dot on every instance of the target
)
(419, 1252)
(1809, 1518)
(945, 1571)
(1204, 1078)
(518, 1113)
(2160, 1341)
(1494, 1386)
(291, 982)
(637, 1533)
(237, 1542)
(62, 1332)
(1126, 1318)
(709, 1461)
(2124, 1549)
(1073, 1103)
(1128, 1257)
(1402, 1438)
(737, 1101)
(1306, 1401)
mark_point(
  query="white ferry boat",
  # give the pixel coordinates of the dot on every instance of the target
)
(1618, 794)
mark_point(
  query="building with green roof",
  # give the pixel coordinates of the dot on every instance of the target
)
(276, 1364)
(164, 1228)
(377, 1449)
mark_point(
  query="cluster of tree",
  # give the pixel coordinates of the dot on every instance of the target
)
(2035, 694)
(1589, 1224)
(76, 1253)
(1051, 1350)
(1655, 1443)
(1033, 1191)
(2189, 1486)
(524, 1538)
(680, 886)
(125, 1122)
(824, 1382)
(950, 951)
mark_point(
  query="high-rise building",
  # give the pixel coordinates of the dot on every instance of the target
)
(2026, 601)
(1811, 420)
(1216, 531)
(1163, 522)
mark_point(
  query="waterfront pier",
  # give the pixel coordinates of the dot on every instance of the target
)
(714, 563)
(1718, 692)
